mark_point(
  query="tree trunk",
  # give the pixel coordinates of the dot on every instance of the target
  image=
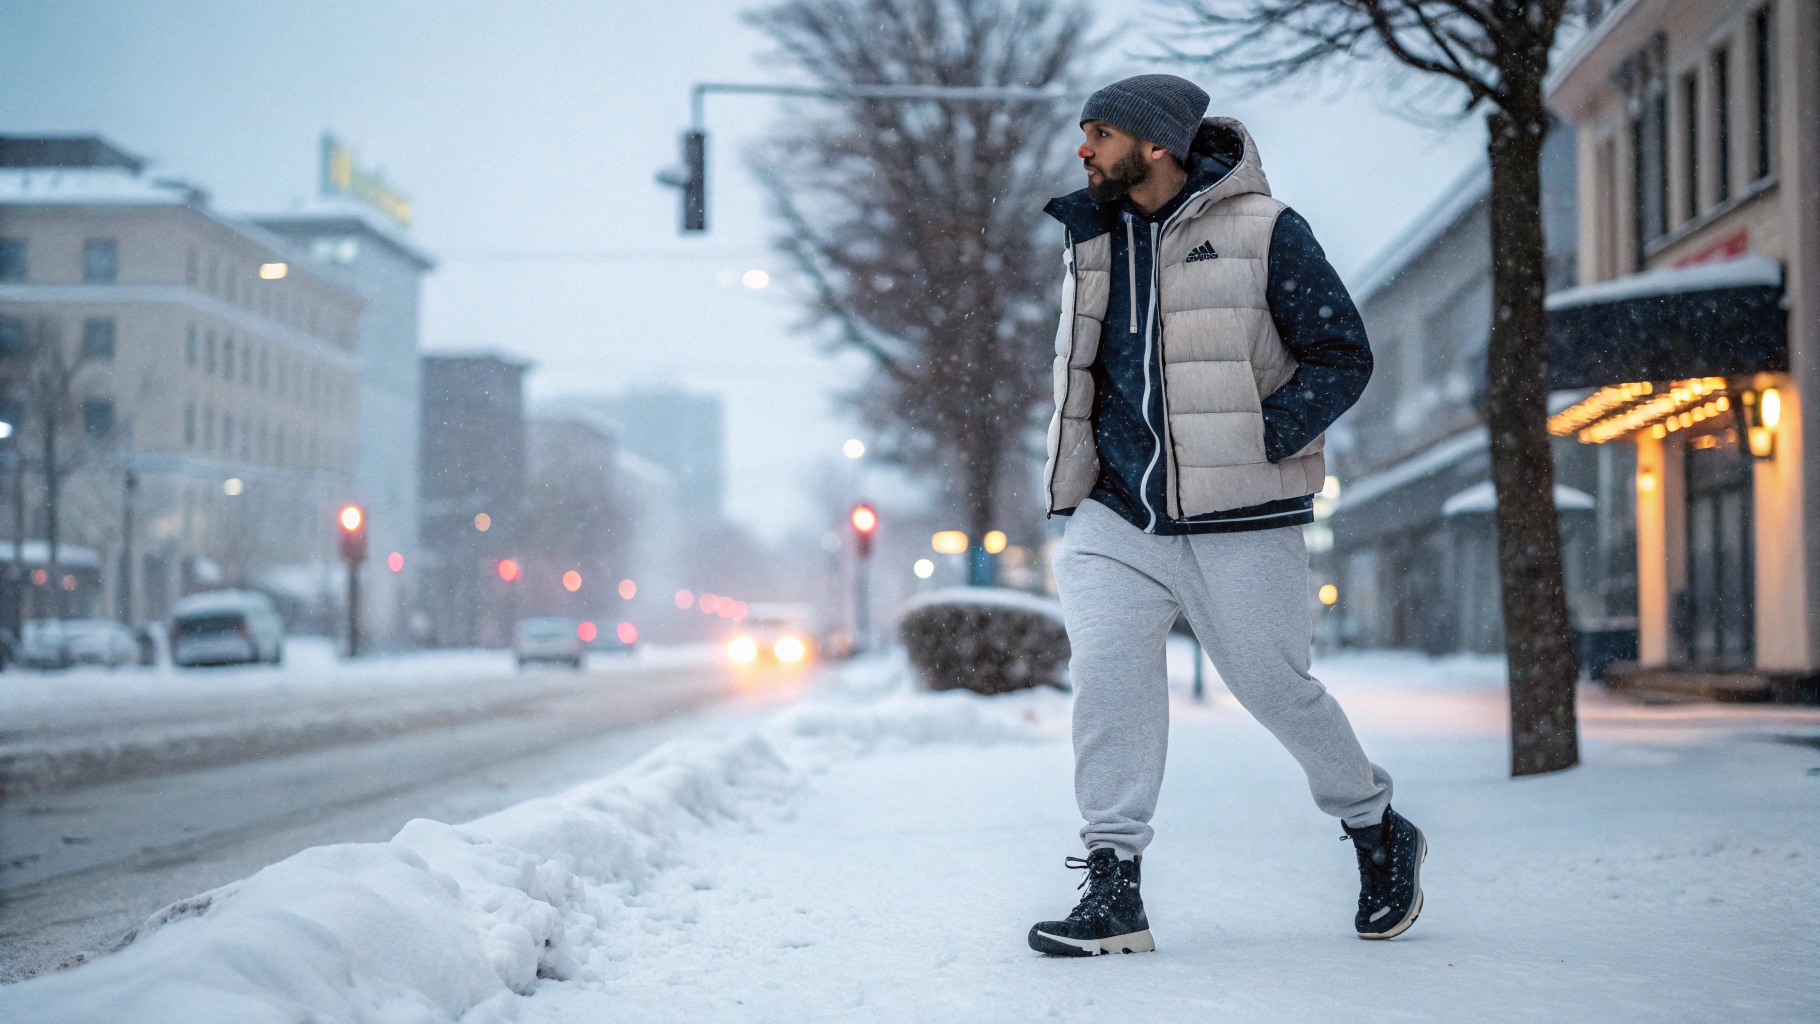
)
(1543, 731)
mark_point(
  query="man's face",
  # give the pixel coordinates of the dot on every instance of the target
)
(1116, 161)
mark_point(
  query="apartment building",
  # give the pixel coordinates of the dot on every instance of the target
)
(211, 420)
(1694, 336)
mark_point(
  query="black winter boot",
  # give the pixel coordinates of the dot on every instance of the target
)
(1110, 917)
(1390, 875)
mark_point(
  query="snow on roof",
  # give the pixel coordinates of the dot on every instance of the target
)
(328, 211)
(38, 552)
(94, 185)
(1468, 189)
(1431, 460)
(1744, 272)
(1483, 497)
(996, 597)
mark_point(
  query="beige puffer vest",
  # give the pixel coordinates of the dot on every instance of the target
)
(1220, 351)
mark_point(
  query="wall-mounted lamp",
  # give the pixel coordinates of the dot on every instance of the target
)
(1646, 479)
(1762, 414)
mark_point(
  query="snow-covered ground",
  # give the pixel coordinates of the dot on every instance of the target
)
(878, 854)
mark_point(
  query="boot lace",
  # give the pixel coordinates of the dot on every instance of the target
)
(1098, 878)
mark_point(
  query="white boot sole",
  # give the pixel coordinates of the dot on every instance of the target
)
(1415, 909)
(1130, 942)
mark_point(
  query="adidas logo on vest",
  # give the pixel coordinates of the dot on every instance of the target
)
(1204, 251)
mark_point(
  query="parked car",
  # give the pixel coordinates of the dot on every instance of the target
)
(548, 639)
(226, 627)
(60, 643)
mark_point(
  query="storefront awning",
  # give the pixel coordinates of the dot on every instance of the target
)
(1714, 320)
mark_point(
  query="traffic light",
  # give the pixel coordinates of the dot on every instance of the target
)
(353, 522)
(865, 524)
(692, 180)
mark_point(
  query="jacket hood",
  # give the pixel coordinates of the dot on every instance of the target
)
(1222, 162)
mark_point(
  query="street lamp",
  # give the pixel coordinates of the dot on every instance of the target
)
(353, 522)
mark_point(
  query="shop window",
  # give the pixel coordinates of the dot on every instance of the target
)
(97, 416)
(12, 259)
(100, 261)
(98, 338)
(12, 337)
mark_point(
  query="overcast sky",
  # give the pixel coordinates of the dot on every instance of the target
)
(533, 129)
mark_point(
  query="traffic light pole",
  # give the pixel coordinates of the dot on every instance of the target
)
(692, 178)
(353, 608)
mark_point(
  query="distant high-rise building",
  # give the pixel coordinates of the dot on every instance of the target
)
(473, 466)
(676, 430)
(388, 270)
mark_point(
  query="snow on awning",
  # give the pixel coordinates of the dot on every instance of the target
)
(1712, 320)
(1483, 497)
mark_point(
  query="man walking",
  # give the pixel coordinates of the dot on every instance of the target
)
(1205, 345)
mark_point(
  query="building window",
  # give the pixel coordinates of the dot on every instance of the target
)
(190, 272)
(227, 358)
(1722, 122)
(100, 261)
(97, 416)
(208, 353)
(189, 346)
(214, 274)
(1766, 92)
(208, 428)
(189, 425)
(98, 338)
(12, 259)
(1690, 141)
(12, 337)
(227, 434)
(262, 369)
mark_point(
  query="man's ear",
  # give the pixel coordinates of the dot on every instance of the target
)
(1158, 152)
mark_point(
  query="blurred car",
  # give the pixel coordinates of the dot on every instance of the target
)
(548, 639)
(774, 634)
(608, 642)
(226, 627)
(60, 643)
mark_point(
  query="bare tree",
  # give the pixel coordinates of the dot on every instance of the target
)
(1493, 54)
(53, 408)
(918, 224)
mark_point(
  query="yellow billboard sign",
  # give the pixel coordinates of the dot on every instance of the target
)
(341, 176)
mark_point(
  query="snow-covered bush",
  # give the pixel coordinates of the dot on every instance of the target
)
(984, 639)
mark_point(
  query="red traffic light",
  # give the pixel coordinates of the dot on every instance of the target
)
(865, 519)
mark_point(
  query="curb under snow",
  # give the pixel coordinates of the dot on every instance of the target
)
(444, 917)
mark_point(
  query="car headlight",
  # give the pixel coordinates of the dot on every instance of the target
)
(789, 649)
(742, 650)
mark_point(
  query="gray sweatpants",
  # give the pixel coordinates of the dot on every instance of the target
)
(1246, 595)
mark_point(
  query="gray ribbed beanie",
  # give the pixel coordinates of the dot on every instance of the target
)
(1162, 109)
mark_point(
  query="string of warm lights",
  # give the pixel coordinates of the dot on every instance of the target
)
(1684, 403)
(1595, 406)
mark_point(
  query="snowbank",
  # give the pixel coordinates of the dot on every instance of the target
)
(445, 917)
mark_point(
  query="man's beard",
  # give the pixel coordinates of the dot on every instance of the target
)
(1117, 181)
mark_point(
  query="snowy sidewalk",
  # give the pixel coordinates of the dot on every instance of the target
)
(879, 857)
